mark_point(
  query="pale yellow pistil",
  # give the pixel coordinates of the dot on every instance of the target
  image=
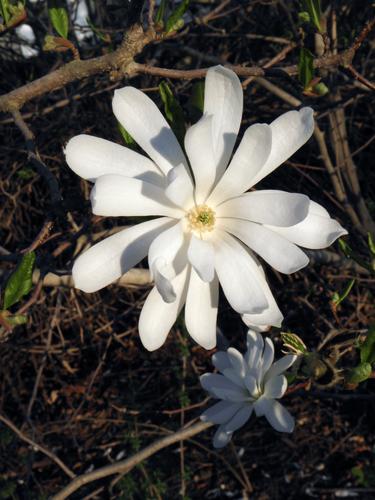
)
(201, 218)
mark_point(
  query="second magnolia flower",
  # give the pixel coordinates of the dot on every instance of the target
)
(209, 226)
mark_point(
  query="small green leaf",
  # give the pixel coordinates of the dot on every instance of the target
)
(175, 21)
(321, 89)
(305, 67)
(293, 343)
(17, 319)
(367, 349)
(371, 243)
(315, 13)
(59, 18)
(160, 14)
(20, 282)
(360, 373)
(26, 173)
(128, 139)
(4, 11)
(197, 97)
(337, 298)
(304, 17)
(173, 111)
(345, 248)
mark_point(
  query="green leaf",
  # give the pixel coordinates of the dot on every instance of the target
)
(160, 14)
(345, 248)
(367, 349)
(175, 21)
(315, 13)
(26, 173)
(321, 89)
(305, 67)
(197, 97)
(4, 11)
(59, 18)
(128, 139)
(360, 373)
(304, 17)
(371, 243)
(17, 319)
(293, 343)
(173, 111)
(337, 298)
(20, 282)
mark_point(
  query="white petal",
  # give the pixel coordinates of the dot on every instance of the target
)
(115, 195)
(249, 158)
(237, 361)
(221, 437)
(157, 317)
(140, 116)
(223, 99)
(239, 419)
(238, 275)
(180, 189)
(90, 157)
(221, 412)
(255, 345)
(268, 355)
(278, 416)
(221, 361)
(201, 256)
(290, 131)
(108, 260)
(271, 316)
(201, 310)
(167, 258)
(251, 385)
(316, 231)
(234, 377)
(222, 388)
(275, 387)
(200, 150)
(280, 366)
(280, 207)
(277, 251)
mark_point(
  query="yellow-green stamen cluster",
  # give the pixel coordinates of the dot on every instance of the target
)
(201, 218)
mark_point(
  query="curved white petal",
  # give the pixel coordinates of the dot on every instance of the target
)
(115, 195)
(275, 387)
(220, 412)
(200, 151)
(201, 310)
(239, 419)
(251, 385)
(267, 357)
(280, 366)
(237, 273)
(223, 99)
(140, 116)
(234, 377)
(255, 346)
(221, 387)
(167, 259)
(201, 256)
(277, 251)
(280, 207)
(108, 260)
(180, 189)
(157, 317)
(221, 361)
(237, 361)
(221, 437)
(249, 158)
(90, 157)
(278, 416)
(316, 231)
(290, 131)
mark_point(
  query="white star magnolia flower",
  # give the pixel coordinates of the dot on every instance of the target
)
(209, 225)
(249, 382)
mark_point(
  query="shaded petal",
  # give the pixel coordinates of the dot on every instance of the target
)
(280, 366)
(275, 387)
(201, 256)
(280, 207)
(278, 416)
(140, 116)
(239, 419)
(277, 251)
(200, 150)
(237, 361)
(157, 317)
(201, 310)
(221, 437)
(222, 388)
(223, 99)
(90, 157)
(107, 261)
(180, 189)
(251, 385)
(238, 275)
(221, 412)
(115, 195)
(316, 231)
(167, 258)
(221, 361)
(234, 377)
(267, 357)
(255, 345)
(249, 158)
(290, 131)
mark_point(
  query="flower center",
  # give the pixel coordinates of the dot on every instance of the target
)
(201, 218)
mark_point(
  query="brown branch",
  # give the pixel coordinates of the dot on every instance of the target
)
(126, 465)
